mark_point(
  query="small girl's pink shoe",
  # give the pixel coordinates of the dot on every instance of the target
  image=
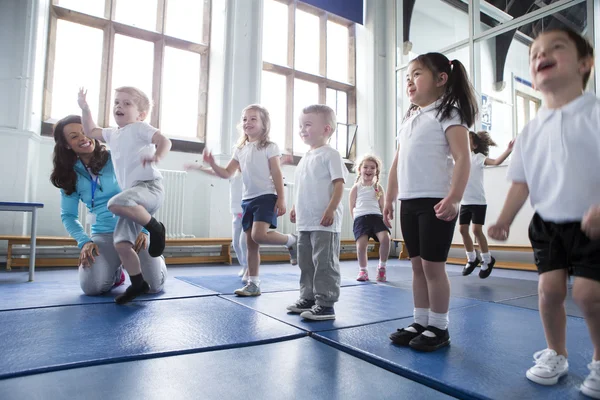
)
(363, 276)
(381, 274)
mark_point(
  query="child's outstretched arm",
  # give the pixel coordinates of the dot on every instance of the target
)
(352, 200)
(277, 177)
(392, 194)
(199, 167)
(89, 126)
(221, 172)
(516, 197)
(503, 156)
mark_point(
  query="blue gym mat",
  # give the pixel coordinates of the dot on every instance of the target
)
(494, 289)
(64, 293)
(46, 339)
(296, 369)
(531, 302)
(358, 305)
(492, 348)
(269, 282)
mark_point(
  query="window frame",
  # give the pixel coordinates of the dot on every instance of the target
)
(111, 28)
(321, 78)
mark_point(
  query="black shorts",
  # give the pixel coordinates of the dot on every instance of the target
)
(370, 225)
(472, 212)
(425, 235)
(564, 246)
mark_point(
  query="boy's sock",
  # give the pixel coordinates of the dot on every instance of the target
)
(487, 258)
(439, 321)
(421, 317)
(291, 240)
(471, 256)
(138, 287)
(136, 280)
(157, 237)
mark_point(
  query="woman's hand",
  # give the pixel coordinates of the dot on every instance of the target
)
(81, 99)
(280, 207)
(141, 243)
(87, 254)
(446, 210)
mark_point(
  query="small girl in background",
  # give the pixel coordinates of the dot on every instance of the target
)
(366, 208)
(473, 205)
(262, 196)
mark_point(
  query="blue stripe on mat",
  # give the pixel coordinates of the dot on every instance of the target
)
(26, 295)
(492, 348)
(47, 339)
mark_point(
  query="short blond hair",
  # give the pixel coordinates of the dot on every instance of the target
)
(142, 101)
(325, 111)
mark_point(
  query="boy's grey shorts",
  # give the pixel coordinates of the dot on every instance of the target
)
(148, 194)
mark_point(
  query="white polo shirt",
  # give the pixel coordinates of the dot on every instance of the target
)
(474, 192)
(425, 164)
(256, 172)
(128, 146)
(313, 184)
(558, 156)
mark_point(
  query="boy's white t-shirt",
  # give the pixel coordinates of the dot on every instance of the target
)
(313, 184)
(474, 192)
(425, 164)
(128, 146)
(557, 156)
(235, 193)
(256, 172)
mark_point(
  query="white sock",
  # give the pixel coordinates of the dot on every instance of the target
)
(421, 316)
(291, 240)
(254, 279)
(487, 258)
(471, 256)
(382, 264)
(439, 321)
(363, 268)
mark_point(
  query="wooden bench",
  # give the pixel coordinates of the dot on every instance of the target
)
(343, 256)
(223, 257)
(493, 247)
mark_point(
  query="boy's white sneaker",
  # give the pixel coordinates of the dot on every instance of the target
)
(548, 368)
(591, 385)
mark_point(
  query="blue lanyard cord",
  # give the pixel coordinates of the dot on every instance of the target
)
(94, 186)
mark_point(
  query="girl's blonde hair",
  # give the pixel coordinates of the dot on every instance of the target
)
(379, 166)
(264, 140)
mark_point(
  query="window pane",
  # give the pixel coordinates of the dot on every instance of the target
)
(275, 32)
(307, 42)
(462, 55)
(185, 19)
(140, 13)
(521, 118)
(331, 98)
(180, 96)
(132, 66)
(75, 43)
(337, 51)
(496, 12)
(342, 107)
(92, 7)
(342, 139)
(273, 97)
(305, 94)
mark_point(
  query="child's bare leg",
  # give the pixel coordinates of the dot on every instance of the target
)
(253, 255)
(438, 286)
(262, 235)
(466, 237)
(361, 251)
(552, 289)
(586, 293)
(420, 288)
(384, 247)
(481, 239)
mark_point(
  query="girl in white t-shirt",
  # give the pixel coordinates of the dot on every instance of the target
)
(262, 196)
(429, 175)
(366, 206)
(473, 205)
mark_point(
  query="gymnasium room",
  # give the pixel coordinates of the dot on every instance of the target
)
(319, 199)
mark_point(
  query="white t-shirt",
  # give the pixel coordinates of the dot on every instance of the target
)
(235, 193)
(557, 155)
(313, 184)
(474, 192)
(366, 201)
(425, 164)
(256, 173)
(128, 146)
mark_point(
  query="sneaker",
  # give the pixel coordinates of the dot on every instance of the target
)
(591, 385)
(319, 313)
(121, 278)
(402, 337)
(484, 273)
(251, 289)
(427, 343)
(381, 274)
(157, 242)
(293, 249)
(301, 305)
(470, 266)
(548, 368)
(132, 292)
(363, 275)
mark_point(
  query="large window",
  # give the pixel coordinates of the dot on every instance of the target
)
(308, 58)
(159, 46)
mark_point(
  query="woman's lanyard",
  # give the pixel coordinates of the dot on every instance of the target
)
(94, 186)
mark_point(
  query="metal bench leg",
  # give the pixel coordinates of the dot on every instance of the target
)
(9, 256)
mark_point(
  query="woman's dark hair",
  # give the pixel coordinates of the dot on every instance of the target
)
(483, 141)
(583, 46)
(63, 175)
(459, 93)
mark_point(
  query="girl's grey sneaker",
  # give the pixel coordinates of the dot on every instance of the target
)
(251, 289)
(293, 249)
(319, 313)
(548, 368)
(591, 385)
(301, 305)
